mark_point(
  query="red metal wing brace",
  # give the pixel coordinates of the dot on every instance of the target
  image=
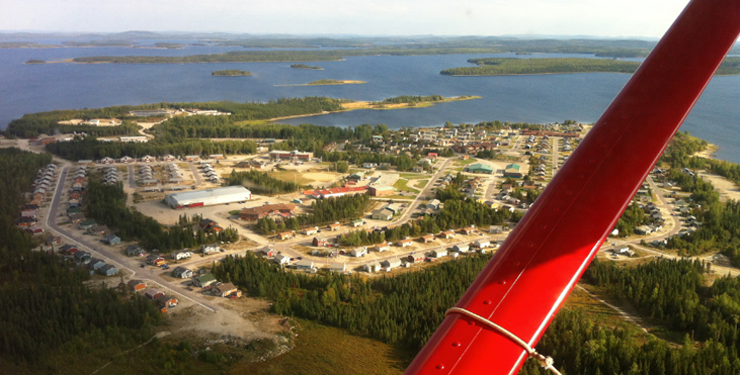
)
(527, 281)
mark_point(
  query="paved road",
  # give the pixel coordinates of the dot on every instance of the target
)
(196, 174)
(555, 156)
(131, 177)
(119, 260)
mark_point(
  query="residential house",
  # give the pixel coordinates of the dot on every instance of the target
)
(112, 239)
(95, 264)
(166, 301)
(390, 264)
(338, 267)
(226, 289)
(415, 258)
(259, 212)
(481, 244)
(321, 242)
(136, 285)
(405, 242)
(461, 248)
(335, 226)
(439, 253)
(148, 159)
(53, 240)
(359, 252)
(305, 265)
(108, 270)
(99, 230)
(68, 249)
(496, 229)
(433, 204)
(182, 273)
(382, 214)
(153, 293)
(134, 251)
(428, 238)
(155, 260)
(357, 223)
(210, 248)
(83, 257)
(267, 252)
(447, 234)
(182, 254)
(203, 281)
(468, 230)
(371, 267)
(281, 259)
(311, 231)
(286, 235)
(381, 247)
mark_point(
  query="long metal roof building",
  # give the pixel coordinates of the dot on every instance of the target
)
(208, 197)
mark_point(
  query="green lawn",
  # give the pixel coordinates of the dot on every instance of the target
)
(401, 186)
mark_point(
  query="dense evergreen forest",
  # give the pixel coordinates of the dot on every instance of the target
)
(411, 99)
(304, 66)
(407, 308)
(44, 304)
(323, 211)
(261, 182)
(511, 66)
(107, 205)
(93, 149)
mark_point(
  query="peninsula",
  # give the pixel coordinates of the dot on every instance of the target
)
(231, 73)
(514, 66)
(307, 67)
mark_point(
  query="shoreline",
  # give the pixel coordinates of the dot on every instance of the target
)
(420, 105)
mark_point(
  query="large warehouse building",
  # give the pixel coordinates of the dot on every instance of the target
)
(208, 197)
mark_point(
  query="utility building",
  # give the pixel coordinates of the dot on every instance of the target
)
(208, 197)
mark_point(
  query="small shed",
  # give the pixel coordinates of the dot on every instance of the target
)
(153, 293)
(166, 301)
(112, 239)
(136, 285)
(108, 270)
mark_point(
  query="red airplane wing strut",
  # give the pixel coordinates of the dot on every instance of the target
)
(529, 278)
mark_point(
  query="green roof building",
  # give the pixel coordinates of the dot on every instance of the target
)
(480, 168)
(513, 171)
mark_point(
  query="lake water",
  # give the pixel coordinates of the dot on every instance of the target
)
(535, 99)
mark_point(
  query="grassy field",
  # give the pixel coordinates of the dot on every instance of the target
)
(291, 176)
(421, 184)
(401, 186)
(411, 176)
(466, 162)
(326, 350)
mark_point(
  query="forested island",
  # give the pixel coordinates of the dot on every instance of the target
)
(329, 82)
(513, 66)
(34, 61)
(307, 67)
(231, 73)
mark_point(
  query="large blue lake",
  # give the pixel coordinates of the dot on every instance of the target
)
(535, 99)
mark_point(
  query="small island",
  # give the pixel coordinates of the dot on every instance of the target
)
(231, 73)
(329, 82)
(33, 61)
(304, 66)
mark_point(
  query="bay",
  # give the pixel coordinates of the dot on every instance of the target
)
(534, 99)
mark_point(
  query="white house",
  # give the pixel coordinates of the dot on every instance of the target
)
(482, 244)
(177, 255)
(381, 247)
(359, 251)
(371, 267)
(305, 265)
(461, 248)
(212, 248)
(281, 259)
(338, 267)
(439, 253)
(182, 273)
(390, 264)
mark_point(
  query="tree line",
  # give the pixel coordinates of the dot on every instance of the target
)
(261, 182)
(107, 204)
(323, 211)
(44, 301)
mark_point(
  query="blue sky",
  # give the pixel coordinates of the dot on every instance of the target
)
(607, 18)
